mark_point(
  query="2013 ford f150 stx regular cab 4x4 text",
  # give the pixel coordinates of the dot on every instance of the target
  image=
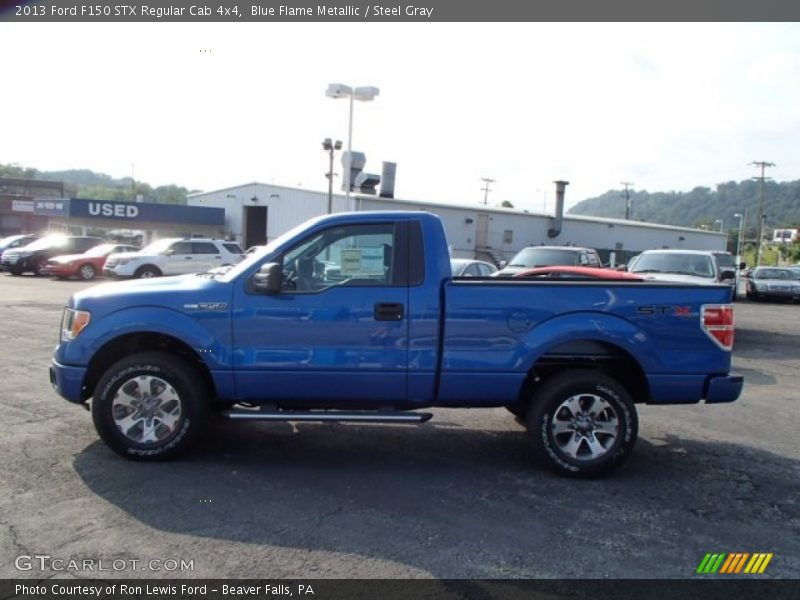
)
(355, 317)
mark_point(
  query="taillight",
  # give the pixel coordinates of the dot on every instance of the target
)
(717, 322)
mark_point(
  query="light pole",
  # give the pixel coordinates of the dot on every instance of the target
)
(364, 94)
(721, 224)
(329, 147)
(739, 241)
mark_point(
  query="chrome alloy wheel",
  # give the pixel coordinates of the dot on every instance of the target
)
(146, 409)
(585, 427)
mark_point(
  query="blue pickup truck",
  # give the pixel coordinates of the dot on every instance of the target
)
(356, 317)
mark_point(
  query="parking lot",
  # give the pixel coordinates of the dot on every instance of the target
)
(454, 498)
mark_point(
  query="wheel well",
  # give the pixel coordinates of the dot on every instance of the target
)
(133, 343)
(149, 266)
(602, 356)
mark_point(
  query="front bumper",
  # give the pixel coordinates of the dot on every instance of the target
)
(59, 270)
(68, 381)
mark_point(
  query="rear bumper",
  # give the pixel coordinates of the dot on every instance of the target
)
(67, 381)
(691, 389)
(723, 389)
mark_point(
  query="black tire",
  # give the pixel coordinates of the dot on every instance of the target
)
(182, 384)
(585, 387)
(37, 267)
(15, 272)
(87, 272)
(146, 272)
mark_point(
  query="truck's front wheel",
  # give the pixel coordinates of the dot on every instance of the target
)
(149, 406)
(582, 423)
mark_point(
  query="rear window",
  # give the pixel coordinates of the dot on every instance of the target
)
(233, 248)
(544, 257)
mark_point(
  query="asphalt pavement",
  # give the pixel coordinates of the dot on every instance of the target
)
(454, 498)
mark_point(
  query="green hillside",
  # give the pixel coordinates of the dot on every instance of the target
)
(703, 206)
(84, 183)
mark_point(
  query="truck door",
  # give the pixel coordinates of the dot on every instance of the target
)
(338, 329)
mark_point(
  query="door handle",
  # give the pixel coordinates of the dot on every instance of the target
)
(187, 258)
(389, 311)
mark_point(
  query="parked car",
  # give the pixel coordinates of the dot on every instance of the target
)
(699, 267)
(773, 283)
(174, 256)
(548, 256)
(465, 267)
(85, 266)
(15, 241)
(35, 255)
(277, 339)
(573, 273)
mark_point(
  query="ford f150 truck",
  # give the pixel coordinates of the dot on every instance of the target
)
(355, 317)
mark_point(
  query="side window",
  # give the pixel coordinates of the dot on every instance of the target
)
(181, 248)
(594, 261)
(355, 255)
(471, 271)
(204, 248)
(584, 260)
(485, 270)
(233, 248)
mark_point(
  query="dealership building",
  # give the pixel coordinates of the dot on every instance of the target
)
(256, 213)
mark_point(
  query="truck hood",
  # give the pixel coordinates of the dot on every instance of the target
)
(677, 278)
(167, 292)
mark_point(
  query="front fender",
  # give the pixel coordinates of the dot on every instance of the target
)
(204, 337)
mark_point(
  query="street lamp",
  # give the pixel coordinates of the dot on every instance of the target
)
(721, 224)
(330, 146)
(364, 94)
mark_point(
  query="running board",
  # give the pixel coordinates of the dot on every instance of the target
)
(327, 415)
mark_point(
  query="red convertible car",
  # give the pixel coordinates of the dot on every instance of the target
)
(564, 272)
(85, 266)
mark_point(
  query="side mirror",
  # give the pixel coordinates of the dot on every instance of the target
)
(726, 275)
(742, 266)
(502, 264)
(267, 280)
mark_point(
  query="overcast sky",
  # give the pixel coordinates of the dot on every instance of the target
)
(666, 106)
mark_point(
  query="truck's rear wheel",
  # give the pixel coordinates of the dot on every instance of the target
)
(149, 406)
(582, 423)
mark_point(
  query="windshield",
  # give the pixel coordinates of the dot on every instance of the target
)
(726, 262)
(100, 250)
(50, 241)
(259, 253)
(159, 246)
(544, 257)
(776, 274)
(683, 264)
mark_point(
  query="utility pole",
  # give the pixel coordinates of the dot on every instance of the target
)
(627, 184)
(761, 216)
(486, 189)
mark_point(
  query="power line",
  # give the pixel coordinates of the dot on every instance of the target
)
(627, 199)
(761, 216)
(486, 189)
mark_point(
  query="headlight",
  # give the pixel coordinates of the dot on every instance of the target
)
(73, 322)
(23, 254)
(123, 261)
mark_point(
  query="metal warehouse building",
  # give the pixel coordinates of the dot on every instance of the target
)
(256, 213)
